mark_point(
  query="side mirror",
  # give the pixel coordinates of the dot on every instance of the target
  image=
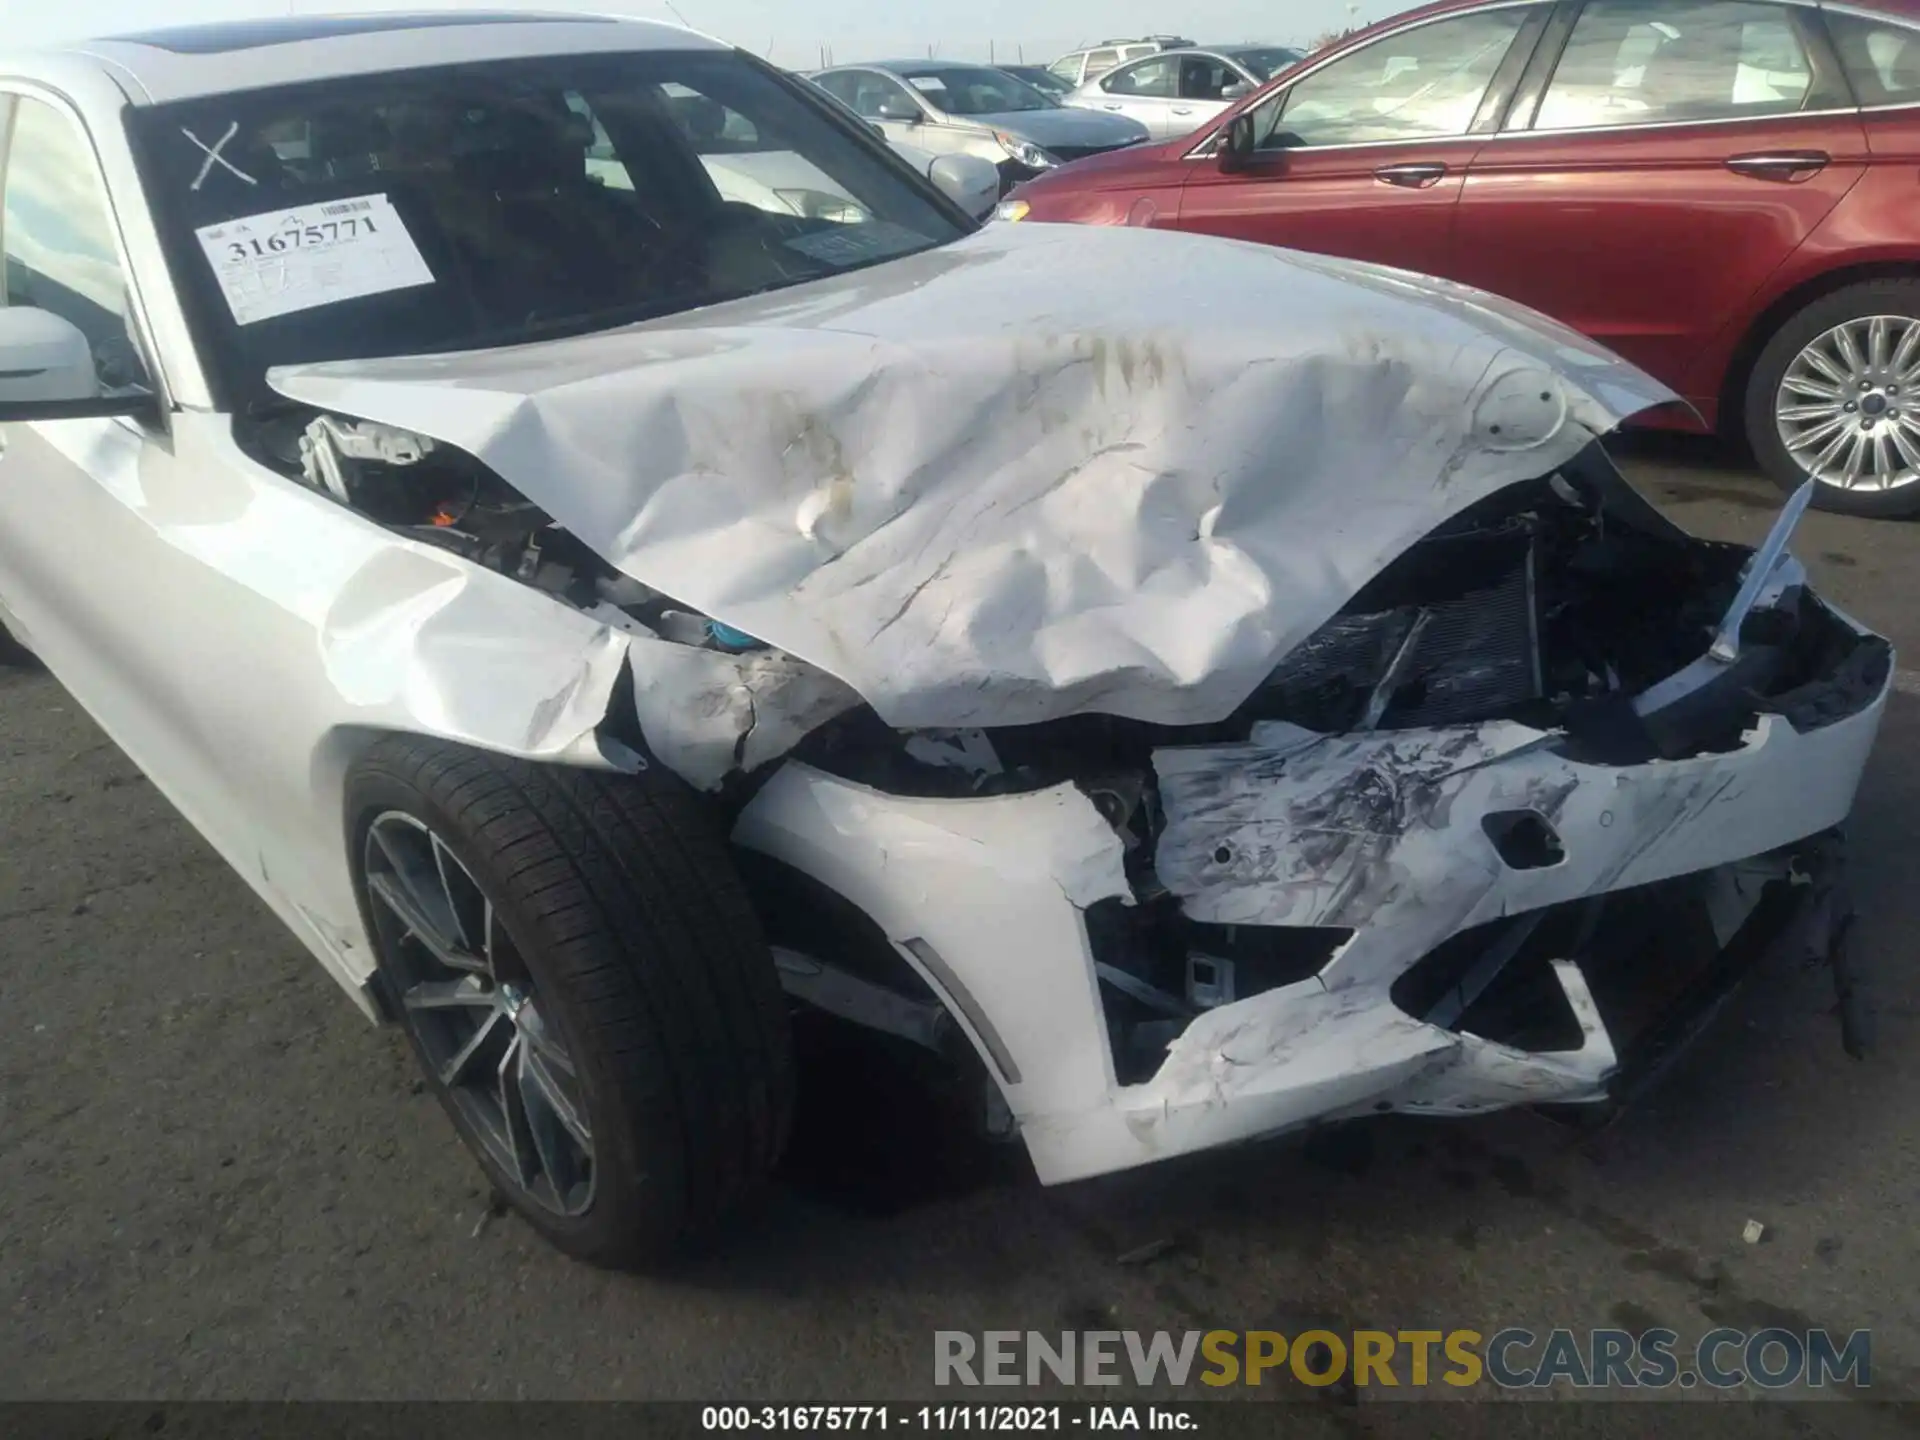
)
(48, 371)
(877, 128)
(970, 181)
(1236, 152)
(43, 358)
(903, 112)
(1236, 90)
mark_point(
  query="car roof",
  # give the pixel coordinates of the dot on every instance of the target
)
(1906, 10)
(1900, 9)
(902, 65)
(1117, 45)
(1228, 51)
(195, 61)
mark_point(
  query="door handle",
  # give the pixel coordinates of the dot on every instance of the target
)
(1412, 177)
(1183, 109)
(1785, 165)
(1109, 107)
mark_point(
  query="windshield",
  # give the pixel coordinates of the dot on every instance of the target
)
(1045, 81)
(480, 205)
(973, 90)
(1264, 63)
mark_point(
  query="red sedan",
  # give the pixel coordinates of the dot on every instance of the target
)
(1726, 192)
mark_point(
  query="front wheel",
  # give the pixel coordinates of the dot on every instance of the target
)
(583, 980)
(1835, 397)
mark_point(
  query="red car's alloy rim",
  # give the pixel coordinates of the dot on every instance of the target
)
(1848, 408)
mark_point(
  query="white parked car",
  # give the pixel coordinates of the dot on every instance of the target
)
(1077, 67)
(1175, 92)
(599, 617)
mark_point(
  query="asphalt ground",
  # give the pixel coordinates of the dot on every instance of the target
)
(218, 1182)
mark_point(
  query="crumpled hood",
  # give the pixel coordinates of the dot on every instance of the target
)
(1042, 471)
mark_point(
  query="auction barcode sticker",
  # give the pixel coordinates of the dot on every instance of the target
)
(283, 261)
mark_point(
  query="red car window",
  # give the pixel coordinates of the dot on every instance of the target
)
(1882, 60)
(1427, 81)
(1633, 63)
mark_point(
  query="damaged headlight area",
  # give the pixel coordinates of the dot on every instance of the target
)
(443, 497)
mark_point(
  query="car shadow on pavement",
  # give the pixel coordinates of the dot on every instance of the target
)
(872, 1136)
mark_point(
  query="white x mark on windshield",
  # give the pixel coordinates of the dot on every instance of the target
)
(214, 157)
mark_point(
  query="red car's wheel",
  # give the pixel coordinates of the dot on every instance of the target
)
(1835, 397)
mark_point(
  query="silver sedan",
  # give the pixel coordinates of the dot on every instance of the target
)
(956, 109)
(1178, 91)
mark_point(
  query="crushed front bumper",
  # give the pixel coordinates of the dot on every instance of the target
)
(988, 899)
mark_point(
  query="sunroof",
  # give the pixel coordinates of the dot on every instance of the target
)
(252, 34)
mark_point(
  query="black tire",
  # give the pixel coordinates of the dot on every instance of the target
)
(1872, 297)
(619, 895)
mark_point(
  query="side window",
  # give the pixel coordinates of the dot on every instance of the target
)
(603, 162)
(1882, 61)
(749, 163)
(1642, 62)
(1427, 81)
(1067, 67)
(1149, 77)
(711, 128)
(58, 238)
(843, 86)
(1101, 61)
(1204, 79)
(877, 97)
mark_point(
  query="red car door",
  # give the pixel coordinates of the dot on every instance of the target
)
(1364, 156)
(1662, 159)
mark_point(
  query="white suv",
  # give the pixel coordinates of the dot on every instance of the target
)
(1093, 62)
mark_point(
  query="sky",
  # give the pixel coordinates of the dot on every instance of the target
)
(793, 32)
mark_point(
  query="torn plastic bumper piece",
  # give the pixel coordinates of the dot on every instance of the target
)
(1802, 918)
(1789, 908)
(1690, 702)
(1384, 834)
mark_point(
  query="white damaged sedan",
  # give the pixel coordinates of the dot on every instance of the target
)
(1193, 689)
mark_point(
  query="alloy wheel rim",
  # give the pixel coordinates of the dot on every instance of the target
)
(474, 1011)
(1848, 408)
